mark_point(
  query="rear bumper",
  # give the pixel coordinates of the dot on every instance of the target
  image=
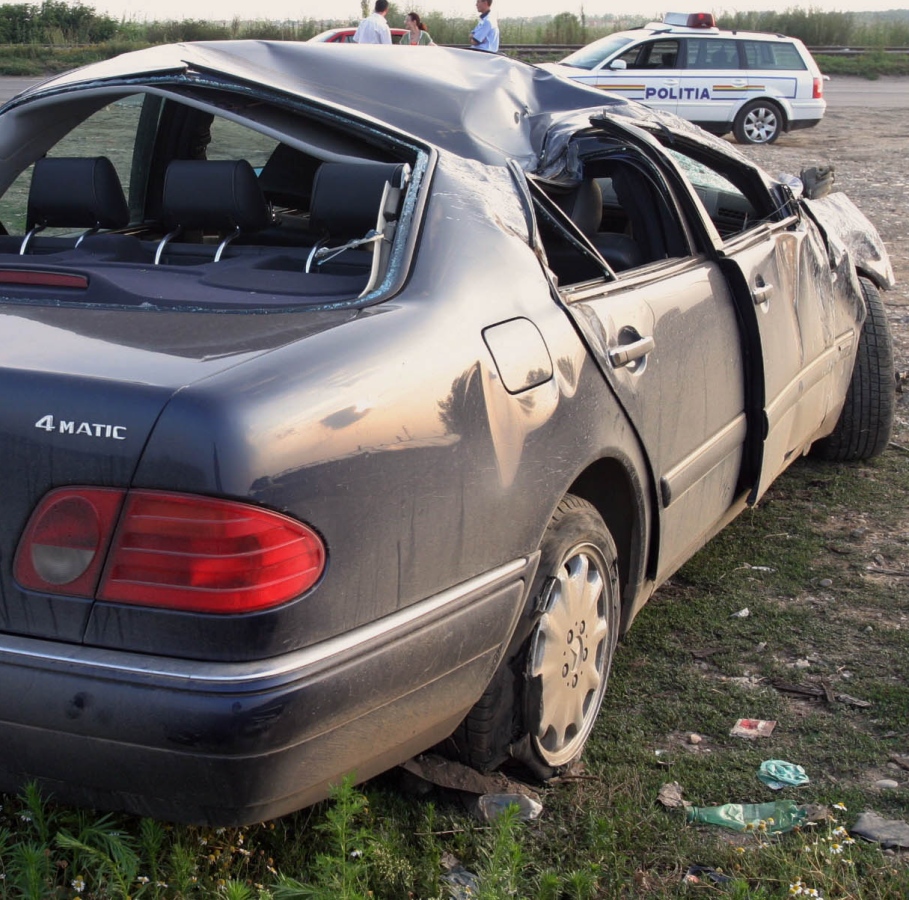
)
(242, 742)
(795, 124)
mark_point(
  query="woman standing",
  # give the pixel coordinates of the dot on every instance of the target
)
(417, 35)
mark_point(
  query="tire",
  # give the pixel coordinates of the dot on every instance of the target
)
(758, 122)
(864, 427)
(542, 704)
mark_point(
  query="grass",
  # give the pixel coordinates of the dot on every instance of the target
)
(810, 564)
(870, 65)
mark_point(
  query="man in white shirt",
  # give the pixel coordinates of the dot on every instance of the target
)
(374, 29)
(485, 35)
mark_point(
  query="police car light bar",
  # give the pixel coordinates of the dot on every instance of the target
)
(690, 20)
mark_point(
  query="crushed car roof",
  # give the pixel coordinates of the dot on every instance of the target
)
(477, 105)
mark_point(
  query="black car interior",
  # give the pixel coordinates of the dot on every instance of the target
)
(621, 211)
(218, 215)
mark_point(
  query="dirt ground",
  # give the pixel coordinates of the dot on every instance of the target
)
(869, 150)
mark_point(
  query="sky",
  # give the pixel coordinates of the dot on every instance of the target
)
(142, 10)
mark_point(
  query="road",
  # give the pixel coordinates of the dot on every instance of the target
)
(841, 91)
(889, 92)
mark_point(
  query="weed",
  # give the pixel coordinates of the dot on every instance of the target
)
(340, 871)
(98, 847)
(502, 861)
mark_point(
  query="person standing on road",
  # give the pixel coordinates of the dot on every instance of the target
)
(417, 35)
(374, 29)
(485, 35)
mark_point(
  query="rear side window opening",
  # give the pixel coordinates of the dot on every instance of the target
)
(239, 195)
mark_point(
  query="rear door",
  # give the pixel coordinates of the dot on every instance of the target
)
(666, 337)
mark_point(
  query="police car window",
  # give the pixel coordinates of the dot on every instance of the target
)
(653, 55)
(592, 55)
(716, 53)
(773, 55)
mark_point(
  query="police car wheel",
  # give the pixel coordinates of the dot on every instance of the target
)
(758, 122)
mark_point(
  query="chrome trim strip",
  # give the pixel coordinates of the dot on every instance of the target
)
(117, 663)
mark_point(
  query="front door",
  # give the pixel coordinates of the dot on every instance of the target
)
(651, 74)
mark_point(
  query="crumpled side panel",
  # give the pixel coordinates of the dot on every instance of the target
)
(848, 231)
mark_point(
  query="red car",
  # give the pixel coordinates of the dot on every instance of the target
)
(345, 35)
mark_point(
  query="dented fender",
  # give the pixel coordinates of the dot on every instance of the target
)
(847, 231)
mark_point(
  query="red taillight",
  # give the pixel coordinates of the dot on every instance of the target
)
(818, 92)
(179, 551)
(65, 542)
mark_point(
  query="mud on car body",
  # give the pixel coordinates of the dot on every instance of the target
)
(337, 429)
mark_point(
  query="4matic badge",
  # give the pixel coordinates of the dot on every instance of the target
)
(89, 429)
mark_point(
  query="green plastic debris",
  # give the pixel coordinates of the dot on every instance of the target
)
(772, 818)
(777, 774)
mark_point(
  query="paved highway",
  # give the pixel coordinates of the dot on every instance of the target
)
(841, 91)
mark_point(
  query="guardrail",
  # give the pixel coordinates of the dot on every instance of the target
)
(857, 51)
(564, 49)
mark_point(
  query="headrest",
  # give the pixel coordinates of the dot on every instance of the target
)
(76, 193)
(346, 196)
(583, 204)
(214, 195)
(286, 178)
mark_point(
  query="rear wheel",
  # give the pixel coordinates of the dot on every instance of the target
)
(758, 122)
(542, 705)
(864, 427)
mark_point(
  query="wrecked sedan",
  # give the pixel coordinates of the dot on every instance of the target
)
(356, 403)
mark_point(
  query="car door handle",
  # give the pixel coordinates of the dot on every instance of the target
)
(623, 356)
(671, 81)
(762, 293)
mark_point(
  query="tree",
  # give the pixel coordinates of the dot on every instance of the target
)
(565, 28)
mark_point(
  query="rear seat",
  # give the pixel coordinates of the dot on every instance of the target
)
(207, 205)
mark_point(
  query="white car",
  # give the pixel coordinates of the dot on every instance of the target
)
(755, 85)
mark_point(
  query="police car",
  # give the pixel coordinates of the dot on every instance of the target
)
(755, 85)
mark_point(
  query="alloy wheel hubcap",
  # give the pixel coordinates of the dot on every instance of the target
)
(567, 654)
(760, 125)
